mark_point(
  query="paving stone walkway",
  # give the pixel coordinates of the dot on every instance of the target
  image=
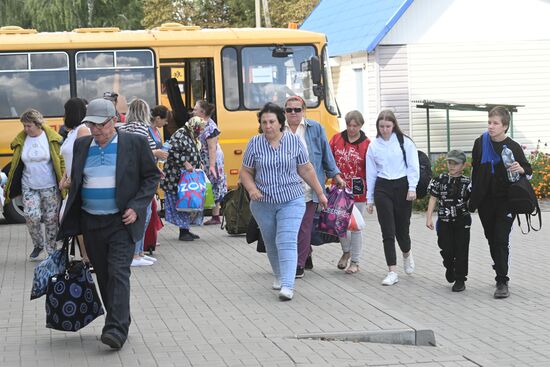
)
(209, 303)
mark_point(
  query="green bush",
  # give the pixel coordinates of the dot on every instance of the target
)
(540, 162)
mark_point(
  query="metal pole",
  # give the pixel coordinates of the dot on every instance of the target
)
(258, 14)
(448, 132)
(267, 18)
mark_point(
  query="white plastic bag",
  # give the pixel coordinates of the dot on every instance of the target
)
(356, 223)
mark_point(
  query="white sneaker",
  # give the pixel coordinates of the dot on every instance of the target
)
(390, 279)
(276, 284)
(141, 262)
(149, 258)
(286, 294)
(408, 264)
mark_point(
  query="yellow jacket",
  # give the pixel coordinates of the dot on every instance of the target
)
(13, 186)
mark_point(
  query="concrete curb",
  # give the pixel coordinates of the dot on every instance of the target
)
(424, 337)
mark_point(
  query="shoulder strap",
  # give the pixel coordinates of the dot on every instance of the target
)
(401, 140)
(536, 214)
(528, 220)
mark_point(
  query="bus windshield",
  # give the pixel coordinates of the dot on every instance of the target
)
(330, 98)
(267, 76)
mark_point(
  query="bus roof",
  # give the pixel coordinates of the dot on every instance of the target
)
(15, 38)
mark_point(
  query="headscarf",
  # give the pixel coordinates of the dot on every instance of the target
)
(195, 127)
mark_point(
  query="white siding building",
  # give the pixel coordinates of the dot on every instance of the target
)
(466, 51)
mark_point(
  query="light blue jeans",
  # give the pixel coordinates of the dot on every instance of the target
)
(279, 224)
(139, 244)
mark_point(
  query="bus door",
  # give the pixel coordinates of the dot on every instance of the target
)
(195, 79)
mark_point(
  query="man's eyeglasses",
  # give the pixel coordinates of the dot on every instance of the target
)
(98, 126)
(295, 110)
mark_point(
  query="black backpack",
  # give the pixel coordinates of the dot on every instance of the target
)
(425, 169)
(236, 211)
(522, 200)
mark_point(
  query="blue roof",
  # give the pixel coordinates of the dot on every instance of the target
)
(354, 25)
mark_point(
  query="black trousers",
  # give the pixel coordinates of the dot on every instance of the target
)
(497, 223)
(394, 215)
(111, 250)
(453, 238)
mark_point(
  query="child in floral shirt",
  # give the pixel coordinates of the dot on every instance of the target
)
(451, 192)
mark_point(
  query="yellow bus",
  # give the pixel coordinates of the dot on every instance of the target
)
(236, 69)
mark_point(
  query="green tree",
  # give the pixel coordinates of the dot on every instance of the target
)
(284, 11)
(156, 12)
(211, 13)
(11, 13)
(241, 13)
(65, 15)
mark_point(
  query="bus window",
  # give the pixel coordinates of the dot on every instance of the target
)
(273, 79)
(37, 80)
(230, 78)
(130, 73)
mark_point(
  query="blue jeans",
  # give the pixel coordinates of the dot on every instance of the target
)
(279, 224)
(139, 244)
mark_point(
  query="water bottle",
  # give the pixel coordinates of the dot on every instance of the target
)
(508, 159)
(165, 147)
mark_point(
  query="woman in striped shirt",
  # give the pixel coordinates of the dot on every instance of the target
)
(138, 117)
(272, 166)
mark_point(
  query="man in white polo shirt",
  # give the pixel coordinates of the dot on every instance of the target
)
(113, 179)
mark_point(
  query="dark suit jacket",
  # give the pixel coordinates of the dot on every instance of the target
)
(137, 177)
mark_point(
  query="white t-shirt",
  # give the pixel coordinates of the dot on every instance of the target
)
(38, 172)
(301, 133)
(68, 145)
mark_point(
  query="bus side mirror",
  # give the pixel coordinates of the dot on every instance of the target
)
(315, 68)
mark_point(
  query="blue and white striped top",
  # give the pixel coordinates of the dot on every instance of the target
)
(99, 180)
(276, 172)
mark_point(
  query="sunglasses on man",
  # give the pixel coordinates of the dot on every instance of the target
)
(295, 110)
(98, 126)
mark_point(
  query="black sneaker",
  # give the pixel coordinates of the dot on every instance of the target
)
(459, 286)
(111, 340)
(299, 272)
(309, 263)
(502, 290)
(35, 253)
(186, 237)
(195, 236)
(450, 275)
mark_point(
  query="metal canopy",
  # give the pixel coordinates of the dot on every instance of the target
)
(447, 105)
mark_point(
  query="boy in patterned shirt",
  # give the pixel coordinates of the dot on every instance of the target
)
(451, 192)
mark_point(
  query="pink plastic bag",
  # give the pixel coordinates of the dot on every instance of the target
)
(334, 220)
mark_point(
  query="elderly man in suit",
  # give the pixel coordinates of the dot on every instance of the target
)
(113, 179)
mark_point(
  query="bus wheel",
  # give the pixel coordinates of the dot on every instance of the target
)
(13, 211)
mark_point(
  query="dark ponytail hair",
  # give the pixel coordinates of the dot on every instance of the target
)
(159, 111)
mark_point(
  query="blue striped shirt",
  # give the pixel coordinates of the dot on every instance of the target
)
(99, 180)
(276, 172)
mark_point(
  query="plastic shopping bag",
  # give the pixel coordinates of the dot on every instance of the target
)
(191, 191)
(209, 198)
(334, 220)
(319, 238)
(356, 223)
